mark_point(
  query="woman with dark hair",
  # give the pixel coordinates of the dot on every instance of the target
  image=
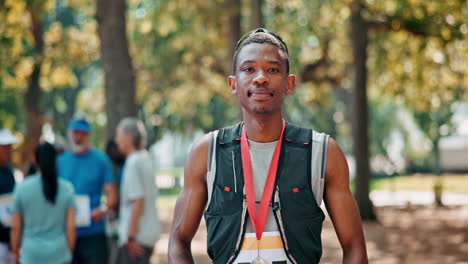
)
(43, 221)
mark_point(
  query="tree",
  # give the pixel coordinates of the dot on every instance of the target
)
(233, 8)
(256, 16)
(43, 42)
(358, 35)
(33, 93)
(117, 64)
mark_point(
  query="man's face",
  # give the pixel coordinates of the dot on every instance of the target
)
(261, 82)
(5, 154)
(79, 141)
(124, 141)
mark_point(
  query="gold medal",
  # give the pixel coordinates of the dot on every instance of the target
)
(258, 260)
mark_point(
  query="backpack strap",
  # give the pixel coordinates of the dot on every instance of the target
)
(211, 166)
(318, 164)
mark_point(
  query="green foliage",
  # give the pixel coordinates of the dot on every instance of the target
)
(417, 61)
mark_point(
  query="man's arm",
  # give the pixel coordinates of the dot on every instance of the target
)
(111, 202)
(111, 195)
(134, 248)
(190, 204)
(342, 207)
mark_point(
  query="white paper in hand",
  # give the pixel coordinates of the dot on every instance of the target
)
(6, 202)
(83, 211)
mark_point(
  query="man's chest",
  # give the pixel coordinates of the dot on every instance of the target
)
(85, 176)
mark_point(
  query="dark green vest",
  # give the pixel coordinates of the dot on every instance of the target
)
(297, 214)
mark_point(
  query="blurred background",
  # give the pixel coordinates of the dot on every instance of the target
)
(387, 79)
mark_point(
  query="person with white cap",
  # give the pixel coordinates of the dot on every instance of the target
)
(7, 184)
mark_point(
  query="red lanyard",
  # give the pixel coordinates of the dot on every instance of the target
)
(258, 221)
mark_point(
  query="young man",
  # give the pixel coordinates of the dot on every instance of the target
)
(90, 172)
(139, 224)
(262, 181)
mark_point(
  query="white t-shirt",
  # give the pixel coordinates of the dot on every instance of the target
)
(270, 247)
(138, 181)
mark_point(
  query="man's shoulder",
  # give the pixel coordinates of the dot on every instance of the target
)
(229, 132)
(96, 152)
(65, 155)
(137, 157)
(98, 155)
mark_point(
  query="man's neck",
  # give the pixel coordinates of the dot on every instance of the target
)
(133, 150)
(263, 129)
(81, 152)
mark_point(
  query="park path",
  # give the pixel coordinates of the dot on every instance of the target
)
(402, 198)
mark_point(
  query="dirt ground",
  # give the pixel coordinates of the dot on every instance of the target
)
(402, 235)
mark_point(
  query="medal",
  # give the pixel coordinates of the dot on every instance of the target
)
(258, 261)
(258, 221)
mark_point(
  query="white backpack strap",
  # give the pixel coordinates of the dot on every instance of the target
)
(318, 164)
(211, 167)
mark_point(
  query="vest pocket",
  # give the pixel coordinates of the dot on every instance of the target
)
(222, 235)
(224, 201)
(300, 201)
(302, 220)
(223, 222)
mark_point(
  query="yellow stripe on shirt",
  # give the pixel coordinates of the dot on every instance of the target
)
(267, 242)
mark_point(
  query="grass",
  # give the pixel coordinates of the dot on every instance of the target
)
(456, 183)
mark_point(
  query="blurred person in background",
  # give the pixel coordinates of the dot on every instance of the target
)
(7, 184)
(90, 172)
(117, 159)
(112, 227)
(139, 223)
(43, 221)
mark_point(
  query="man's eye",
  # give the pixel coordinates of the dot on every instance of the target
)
(248, 69)
(273, 70)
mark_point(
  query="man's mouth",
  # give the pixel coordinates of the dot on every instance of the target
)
(260, 94)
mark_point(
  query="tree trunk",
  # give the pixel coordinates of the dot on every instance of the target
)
(233, 33)
(360, 121)
(233, 8)
(256, 17)
(438, 185)
(32, 97)
(119, 76)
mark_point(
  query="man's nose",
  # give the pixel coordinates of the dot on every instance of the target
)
(261, 78)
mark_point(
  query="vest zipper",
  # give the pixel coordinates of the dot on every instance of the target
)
(241, 233)
(281, 226)
(234, 170)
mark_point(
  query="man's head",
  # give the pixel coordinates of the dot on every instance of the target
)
(79, 135)
(131, 135)
(261, 36)
(7, 139)
(261, 78)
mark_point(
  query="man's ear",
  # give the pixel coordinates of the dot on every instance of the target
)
(290, 84)
(232, 84)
